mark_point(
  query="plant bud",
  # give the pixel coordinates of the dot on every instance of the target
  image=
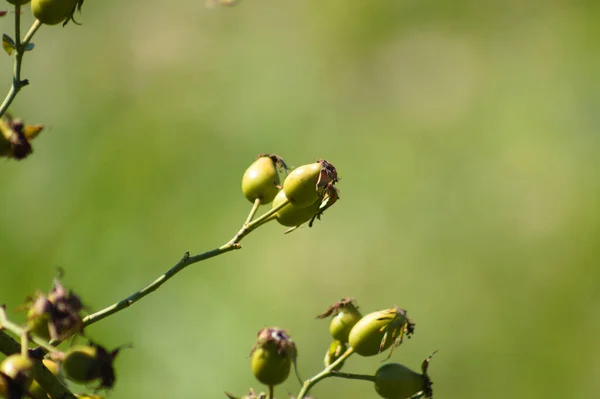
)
(396, 381)
(380, 330)
(272, 356)
(305, 184)
(261, 179)
(336, 349)
(345, 315)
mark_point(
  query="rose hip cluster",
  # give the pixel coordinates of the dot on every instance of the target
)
(352, 333)
(306, 193)
(53, 318)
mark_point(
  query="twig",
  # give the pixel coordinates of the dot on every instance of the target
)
(327, 372)
(187, 260)
(20, 49)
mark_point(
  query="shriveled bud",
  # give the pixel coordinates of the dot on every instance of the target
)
(306, 184)
(345, 315)
(272, 356)
(396, 381)
(380, 330)
(57, 315)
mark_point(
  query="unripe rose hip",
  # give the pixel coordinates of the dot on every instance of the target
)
(345, 315)
(16, 375)
(291, 215)
(53, 12)
(261, 179)
(380, 330)
(85, 363)
(305, 184)
(272, 356)
(396, 381)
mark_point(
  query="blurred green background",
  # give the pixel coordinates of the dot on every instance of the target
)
(466, 136)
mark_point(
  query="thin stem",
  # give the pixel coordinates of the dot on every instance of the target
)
(250, 227)
(327, 372)
(24, 344)
(271, 392)
(352, 376)
(20, 46)
(136, 296)
(187, 260)
(253, 211)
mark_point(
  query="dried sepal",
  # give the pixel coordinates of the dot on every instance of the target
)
(337, 307)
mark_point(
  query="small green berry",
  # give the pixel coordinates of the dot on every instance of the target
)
(17, 368)
(291, 215)
(345, 315)
(261, 179)
(396, 381)
(305, 184)
(85, 363)
(272, 356)
(53, 12)
(379, 331)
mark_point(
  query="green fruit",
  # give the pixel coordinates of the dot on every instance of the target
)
(377, 331)
(261, 180)
(52, 12)
(17, 368)
(396, 381)
(35, 390)
(305, 184)
(291, 215)
(300, 186)
(18, 2)
(272, 356)
(81, 363)
(269, 366)
(342, 323)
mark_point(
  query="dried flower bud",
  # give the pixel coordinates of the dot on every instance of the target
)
(57, 316)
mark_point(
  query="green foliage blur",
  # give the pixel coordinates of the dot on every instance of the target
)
(466, 137)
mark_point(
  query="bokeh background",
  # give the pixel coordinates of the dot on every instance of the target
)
(466, 136)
